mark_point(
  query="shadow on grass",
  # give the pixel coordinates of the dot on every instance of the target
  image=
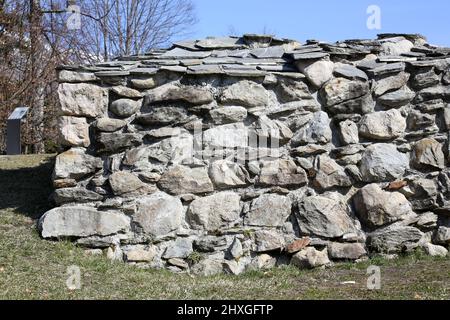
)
(25, 185)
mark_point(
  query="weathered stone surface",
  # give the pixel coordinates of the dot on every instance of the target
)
(174, 92)
(180, 248)
(140, 253)
(317, 130)
(435, 250)
(73, 132)
(347, 251)
(116, 142)
(226, 174)
(109, 124)
(214, 212)
(81, 222)
(390, 83)
(124, 108)
(317, 72)
(158, 214)
(425, 79)
(67, 195)
(289, 90)
(298, 245)
(309, 258)
(228, 114)
(245, 93)
(268, 210)
(235, 251)
(382, 162)
(392, 239)
(207, 267)
(350, 72)
(348, 132)
(377, 207)
(123, 182)
(225, 136)
(76, 76)
(267, 240)
(362, 105)
(281, 172)
(397, 98)
(272, 131)
(329, 174)
(324, 216)
(75, 164)
(163, 115)
(82, 100)
(382, 125)
(339, 90)
(442, 235)
(126, 92)
(428, 153)
(396, 46)
(182, 179)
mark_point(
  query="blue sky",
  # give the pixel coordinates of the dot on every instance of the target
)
(327, 20)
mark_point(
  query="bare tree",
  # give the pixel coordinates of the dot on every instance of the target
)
(136, 26)
(35, 38)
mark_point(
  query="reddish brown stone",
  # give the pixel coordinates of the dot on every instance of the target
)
(396, 185)
(298, 245)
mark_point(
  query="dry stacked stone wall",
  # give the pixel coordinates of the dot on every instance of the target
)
(233, 154)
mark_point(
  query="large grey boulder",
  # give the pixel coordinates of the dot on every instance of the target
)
(227, 174)
(80, 195)
(339, 90)
(224, 136)
(394, 238)
(214, 212)
(427, 153)
(382, 125)
(317, 131)
(348, 132)
(75, 164)
(397, 98)
(329, 174)
(81, 222)
(124, 108)
(390, 83)
(116, 142)
(180, 248)
(228, 114)
(158, 214)
(325, 216)
(377, 207)
(290, 90)
(317, 72)
(123, 183)
(383, 162)
(181, 180)
(346, 251)
(162, 115)
(73, 131)
(245, 93)
(109, 124)
(310, 257)
(177, 92)
(267, 240)
(283, 172)
(268, 210)
(82, 99)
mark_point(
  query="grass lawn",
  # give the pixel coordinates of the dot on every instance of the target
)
(31, 268)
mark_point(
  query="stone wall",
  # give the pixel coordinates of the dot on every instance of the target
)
(230, 154)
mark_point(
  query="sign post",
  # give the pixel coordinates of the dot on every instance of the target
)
(13, 141)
